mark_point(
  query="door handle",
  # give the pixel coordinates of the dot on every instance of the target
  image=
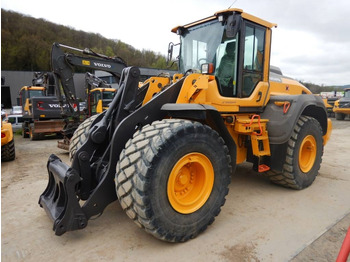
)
(259, 96)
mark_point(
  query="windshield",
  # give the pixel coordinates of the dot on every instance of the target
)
(108, 95)
(199, 45)
(35, 93)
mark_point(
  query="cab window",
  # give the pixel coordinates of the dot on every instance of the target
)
(253, 58)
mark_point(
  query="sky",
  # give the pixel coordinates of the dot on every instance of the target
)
(311, 42)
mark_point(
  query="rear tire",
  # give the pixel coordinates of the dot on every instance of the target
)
(339, 116)
(25, 130)
(303, 156)
(172, 178)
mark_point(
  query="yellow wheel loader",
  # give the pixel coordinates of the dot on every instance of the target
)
(342, 106)
(8, 152)
(167, 150)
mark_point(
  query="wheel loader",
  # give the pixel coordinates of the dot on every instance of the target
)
(8, 152)
(167, 150)
(342, 106)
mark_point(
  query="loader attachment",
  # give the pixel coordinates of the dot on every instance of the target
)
(91, 175)
(59, 199)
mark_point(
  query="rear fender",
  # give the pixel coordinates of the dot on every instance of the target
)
(282, 119)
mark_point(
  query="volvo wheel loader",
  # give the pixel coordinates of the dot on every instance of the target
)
(342, 106)
(8, 151)
(166, 150)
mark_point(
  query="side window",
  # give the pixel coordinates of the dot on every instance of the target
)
(96, 96)
(253, 58)
(11, 120)
(23, 97)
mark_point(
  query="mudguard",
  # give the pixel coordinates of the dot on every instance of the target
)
(284, 111)
(207, 114)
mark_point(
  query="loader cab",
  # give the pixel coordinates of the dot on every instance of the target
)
(232, 46)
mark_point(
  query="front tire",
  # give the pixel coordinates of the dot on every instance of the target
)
(32, 135)
(172, 178)
(80, 135)
(303, 156)
(8, 152)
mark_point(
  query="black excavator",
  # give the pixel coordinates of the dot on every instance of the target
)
(62, 65)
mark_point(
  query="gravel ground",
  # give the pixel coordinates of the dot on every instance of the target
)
(259, 222)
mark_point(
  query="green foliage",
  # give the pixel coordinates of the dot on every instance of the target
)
(26, 44)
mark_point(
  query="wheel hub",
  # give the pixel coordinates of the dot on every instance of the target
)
(307, 153)
(190, 183)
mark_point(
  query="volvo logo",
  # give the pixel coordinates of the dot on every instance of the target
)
(102, 65)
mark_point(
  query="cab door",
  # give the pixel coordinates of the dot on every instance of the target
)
(242, 69)
(253, 67)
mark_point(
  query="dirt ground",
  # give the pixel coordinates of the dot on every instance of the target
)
(259, 222)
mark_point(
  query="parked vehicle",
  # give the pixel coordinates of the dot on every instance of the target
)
(16, 121)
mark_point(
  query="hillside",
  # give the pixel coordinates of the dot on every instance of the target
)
(26, 44)
(316, 89)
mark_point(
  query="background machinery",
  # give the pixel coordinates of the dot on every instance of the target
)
(166, 150)
(342, 106)
(99, 94)
(40, 107)
(62, 64)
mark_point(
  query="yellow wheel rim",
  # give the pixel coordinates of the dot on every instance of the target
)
(307, 153)
(190, 183)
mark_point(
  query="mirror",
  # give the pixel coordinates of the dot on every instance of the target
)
(170, 51)
(233, 25)
(173, 50)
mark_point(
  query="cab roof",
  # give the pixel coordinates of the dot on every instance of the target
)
(246, 16)
(33, 87)
(103, 89)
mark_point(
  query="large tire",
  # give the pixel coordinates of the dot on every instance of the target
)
(25, 130)
(303, 156)
(8, 151)
(339, 116)
(172, 178)
(80, 135)
(32, 135)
